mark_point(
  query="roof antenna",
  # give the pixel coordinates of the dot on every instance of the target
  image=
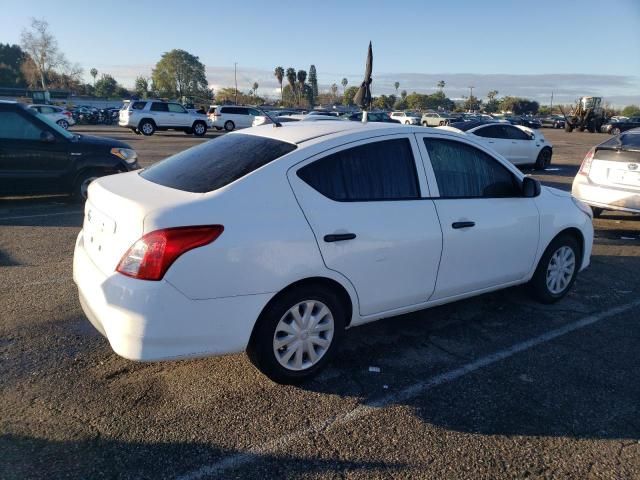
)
(363, 97)
(275, 122)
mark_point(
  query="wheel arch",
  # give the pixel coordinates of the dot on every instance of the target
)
(576, 234)
(145, 119)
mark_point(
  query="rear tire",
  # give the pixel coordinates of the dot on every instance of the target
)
(615, 131)
(597, 211)
(188, 131)
(218, 128)
(543, 160)
(568, 128)
(557, 270)
(81, 185)
(283, 348)
(199, 129)
(229, 126)
(147, 128)
(425, 124)
(64, 124)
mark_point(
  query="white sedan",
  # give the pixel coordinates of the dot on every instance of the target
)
(274, 240)
(520, 145)
(59, 115)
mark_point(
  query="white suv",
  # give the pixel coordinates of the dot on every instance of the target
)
(147, 116)
(407, 118)
(232, 117)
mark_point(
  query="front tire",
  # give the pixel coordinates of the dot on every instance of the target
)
(81, 185)
(64, 124)
(199, 129)
(615, 131)
(543, 160)
(557, 270)
(297, 334)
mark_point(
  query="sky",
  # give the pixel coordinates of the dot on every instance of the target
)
(515, 47)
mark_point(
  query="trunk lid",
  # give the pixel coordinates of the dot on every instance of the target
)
(115, 211)
(616, 168)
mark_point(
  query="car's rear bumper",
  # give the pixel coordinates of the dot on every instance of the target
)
(606, 197)
(148, 321)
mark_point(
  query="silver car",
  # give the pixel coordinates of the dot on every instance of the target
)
(609, 177)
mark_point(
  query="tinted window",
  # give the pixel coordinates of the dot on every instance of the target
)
(464, 171)
(216, 163)
(491, 131)
(175, 108)
(375, 171)
(515, 133)
(15, 126)
(138, 105)
(159, 107)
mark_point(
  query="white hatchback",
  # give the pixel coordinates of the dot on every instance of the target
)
(59, 115)
(276, 239)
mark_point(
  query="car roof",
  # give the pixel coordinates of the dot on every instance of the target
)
(629, 140)
(300, 132)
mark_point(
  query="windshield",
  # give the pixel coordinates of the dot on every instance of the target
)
(66, 134)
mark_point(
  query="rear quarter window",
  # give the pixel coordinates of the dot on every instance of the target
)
(138, 105)
(216, 163)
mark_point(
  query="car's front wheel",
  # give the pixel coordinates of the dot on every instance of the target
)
(297, 334)
(615, 131)
(63, 123)
(199, 129)
(556, 270)
(543, 160)
(81, 185)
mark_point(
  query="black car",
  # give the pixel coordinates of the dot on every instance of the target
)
(617, 127)
(373, 117)
(39, 156)
(552, 121)
(524, 121)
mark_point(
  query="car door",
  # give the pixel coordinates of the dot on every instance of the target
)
(523, 147)
(160, 113)
(490, 231)
(33, 158)
(179, 116)
(496, 138)
(364, 204)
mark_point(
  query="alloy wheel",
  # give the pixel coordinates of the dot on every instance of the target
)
(560, 270)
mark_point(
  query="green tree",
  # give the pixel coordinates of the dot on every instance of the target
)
(472, 103)
(313, 82)
(11, 59)
(302, 78)
(255, 89)
(334, 90)
(397, 85)
(403, 94)
(492, 95)
(631, 111)
(344, 82)
(441, 85)
(291, 79)
(141, 87)
(400, 104)
(42, 47)
(106, 87)
(279, 74)
(94, 74)
(180, 74)
(349, 93)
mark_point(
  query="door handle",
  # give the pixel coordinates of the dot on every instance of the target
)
(490, 141)
(339, 237)
(463, 224)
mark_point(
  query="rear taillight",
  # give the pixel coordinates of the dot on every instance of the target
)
(67, 113)
(151, 256)
(586, 163)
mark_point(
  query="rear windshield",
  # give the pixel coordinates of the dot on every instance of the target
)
(216, 163)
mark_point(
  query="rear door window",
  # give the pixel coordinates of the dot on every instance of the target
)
(383, 170)
(14, 126)
(176, 108)
(159, 107)
(216, 163)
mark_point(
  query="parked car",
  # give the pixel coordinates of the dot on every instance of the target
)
(372, 117)
(609, 177)
(326, 113)
(271, 240)
(520, 145)
(525, 122)
(407, 118)
(232, 117)
(148, 116)
(61, 116)
(619, 126)
(39, 156)
(298, 117)
(435, 119)
(552, 121)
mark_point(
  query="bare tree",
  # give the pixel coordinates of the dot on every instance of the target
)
(42, 47)
(94, 74)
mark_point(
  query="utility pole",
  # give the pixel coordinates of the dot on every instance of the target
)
(471, 95)
(551, 106)
(235, 78)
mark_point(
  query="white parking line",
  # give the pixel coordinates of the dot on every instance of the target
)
(255, 453)
(19, 217)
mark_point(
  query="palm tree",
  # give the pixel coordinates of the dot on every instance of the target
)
(279, 73)
(492, 95)
(94, 74)
(334, 90)
(441, 85)
(291, 78)
(255, 89)
(345, 82)
(302, 77)
(403, 94)
(397, 85)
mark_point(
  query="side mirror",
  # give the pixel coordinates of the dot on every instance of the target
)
(47, 137)
(530, 187)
